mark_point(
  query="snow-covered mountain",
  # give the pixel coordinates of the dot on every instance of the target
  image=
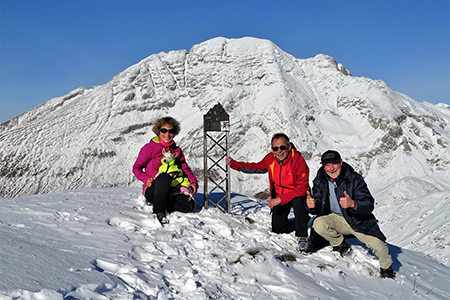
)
(91, 137)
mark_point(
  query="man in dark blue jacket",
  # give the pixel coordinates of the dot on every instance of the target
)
(343, 205)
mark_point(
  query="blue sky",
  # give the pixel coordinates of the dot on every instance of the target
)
(49, 48)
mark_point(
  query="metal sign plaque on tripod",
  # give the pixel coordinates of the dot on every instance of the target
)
(216, 123)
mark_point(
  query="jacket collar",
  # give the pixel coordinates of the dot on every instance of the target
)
(156, 140)
(287, 159)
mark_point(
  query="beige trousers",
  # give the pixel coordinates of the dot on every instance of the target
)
(333, 227)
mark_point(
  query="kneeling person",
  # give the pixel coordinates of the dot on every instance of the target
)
(288, 178)
(343, 205)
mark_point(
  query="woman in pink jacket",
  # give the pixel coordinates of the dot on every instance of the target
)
(158, 191)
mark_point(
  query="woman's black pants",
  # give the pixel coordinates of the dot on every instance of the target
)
(159, 195)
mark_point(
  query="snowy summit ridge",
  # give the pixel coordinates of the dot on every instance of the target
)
(90, 138)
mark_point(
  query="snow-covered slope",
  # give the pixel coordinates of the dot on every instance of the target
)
(91, 137)
(104, 244)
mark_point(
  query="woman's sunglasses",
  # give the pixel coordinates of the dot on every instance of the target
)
(164, 130)
(282, 148)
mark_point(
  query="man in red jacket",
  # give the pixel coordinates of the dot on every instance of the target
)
(288, 178)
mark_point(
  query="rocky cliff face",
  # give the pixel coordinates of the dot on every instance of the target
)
(91, 137)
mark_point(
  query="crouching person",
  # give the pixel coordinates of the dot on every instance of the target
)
(159, 190)
(343, 205)
(288, 178)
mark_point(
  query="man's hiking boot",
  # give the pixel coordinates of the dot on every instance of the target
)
(343, 248)
(387, 273)
(303, 245)
(162, 218)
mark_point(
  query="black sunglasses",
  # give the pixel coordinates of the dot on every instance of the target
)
(164, 130)
(282, 148)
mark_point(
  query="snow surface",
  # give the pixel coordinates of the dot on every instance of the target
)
(106, 244)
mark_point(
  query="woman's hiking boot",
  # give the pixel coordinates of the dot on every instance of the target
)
(162, 218)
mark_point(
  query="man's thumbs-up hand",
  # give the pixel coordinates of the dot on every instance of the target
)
(310, 201)
(347, 202)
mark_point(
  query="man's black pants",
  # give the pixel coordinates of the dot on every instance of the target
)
(281, 223)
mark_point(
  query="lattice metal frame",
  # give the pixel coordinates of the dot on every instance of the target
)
(216, 131)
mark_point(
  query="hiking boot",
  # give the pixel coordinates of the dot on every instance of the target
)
(343, 248)
(162, 218)
(387, 273)
(303, 245)
(191, 205)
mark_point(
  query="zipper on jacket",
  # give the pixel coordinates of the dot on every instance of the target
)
(281, 167)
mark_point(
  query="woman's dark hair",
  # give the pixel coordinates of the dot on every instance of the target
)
(166, 121)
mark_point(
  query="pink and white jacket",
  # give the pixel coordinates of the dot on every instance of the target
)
(149, 160)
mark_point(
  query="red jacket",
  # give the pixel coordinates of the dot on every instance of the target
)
(288, 179)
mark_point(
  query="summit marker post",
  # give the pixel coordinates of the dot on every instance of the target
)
(216, 124)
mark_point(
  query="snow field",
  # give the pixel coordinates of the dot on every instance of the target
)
(106, 244)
